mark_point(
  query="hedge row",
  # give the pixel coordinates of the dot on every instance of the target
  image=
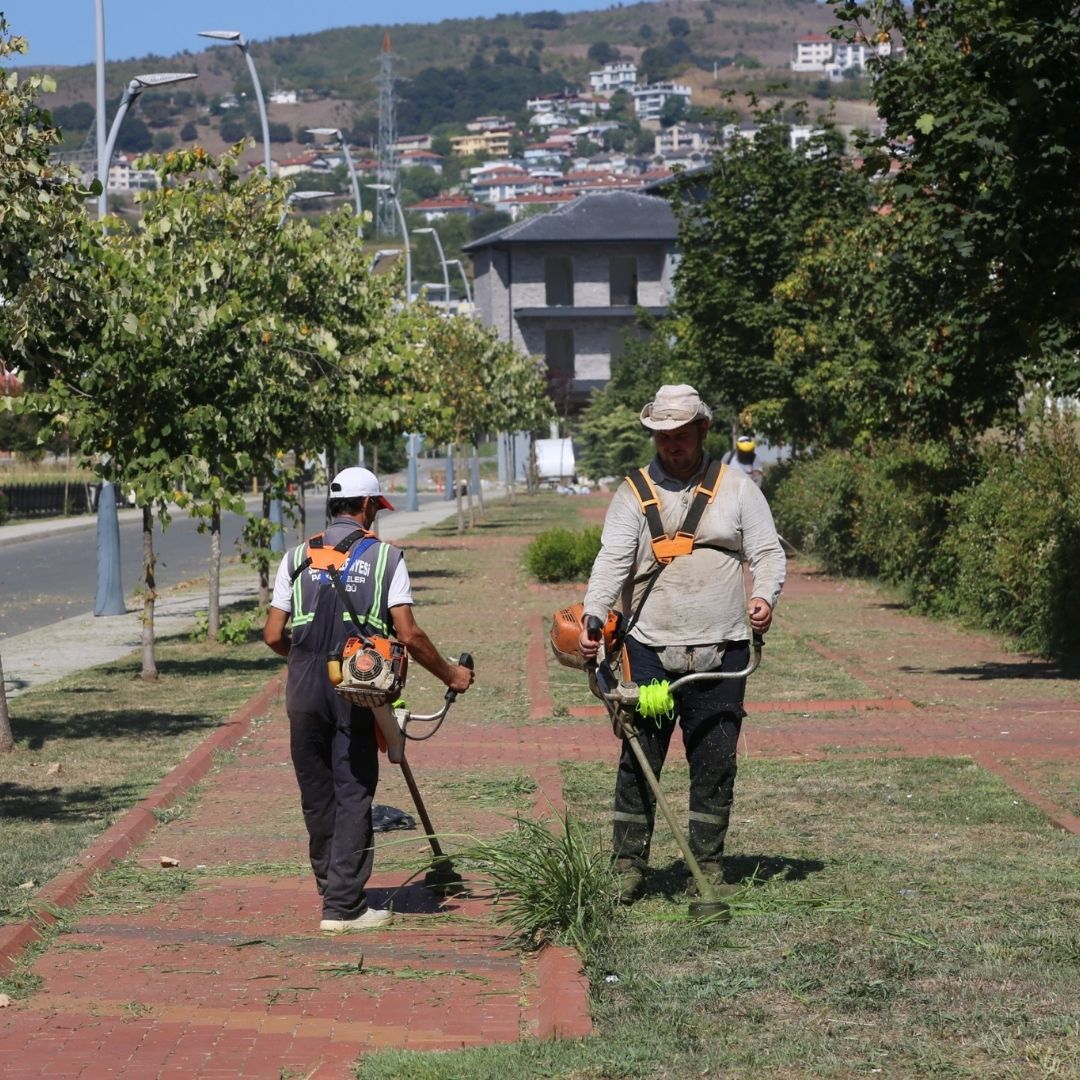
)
(992, 536)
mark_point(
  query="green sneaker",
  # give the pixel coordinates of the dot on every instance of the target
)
(630, 880)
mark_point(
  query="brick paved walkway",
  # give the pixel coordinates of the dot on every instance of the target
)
(231, 978)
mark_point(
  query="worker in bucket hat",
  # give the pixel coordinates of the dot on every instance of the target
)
(675, 538)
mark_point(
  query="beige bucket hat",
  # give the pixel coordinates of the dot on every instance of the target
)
(673, 407)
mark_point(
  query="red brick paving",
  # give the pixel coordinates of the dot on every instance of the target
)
(233, 979)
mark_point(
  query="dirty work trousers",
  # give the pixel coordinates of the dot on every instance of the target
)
(336, 760)
(710, 715)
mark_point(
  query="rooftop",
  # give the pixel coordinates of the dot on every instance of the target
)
(593, 218)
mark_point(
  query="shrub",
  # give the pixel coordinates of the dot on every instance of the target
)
(234, 628)
(562, 555)
(588, 548)
(815, 502)
(1009, 559)
(904, 494)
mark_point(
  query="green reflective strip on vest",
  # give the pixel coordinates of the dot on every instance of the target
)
(374, 616)
(299, 615)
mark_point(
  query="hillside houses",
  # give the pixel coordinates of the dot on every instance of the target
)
(571, 145)
(835, 59)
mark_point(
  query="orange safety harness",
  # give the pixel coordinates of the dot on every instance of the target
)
(668, 548)
(665, 548)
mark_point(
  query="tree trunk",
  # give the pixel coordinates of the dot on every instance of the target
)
(469, 495)
(264, 562)
(213, 614)
(149, 665)
(7, 738)
(331, 464)
(479, 481)
(301, 494)
(510, 478)
(457, 489)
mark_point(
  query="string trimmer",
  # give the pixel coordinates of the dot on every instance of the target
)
(625, 701)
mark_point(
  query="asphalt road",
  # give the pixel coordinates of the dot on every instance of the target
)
(43, 581)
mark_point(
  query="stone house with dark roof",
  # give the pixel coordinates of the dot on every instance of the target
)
(567, 285)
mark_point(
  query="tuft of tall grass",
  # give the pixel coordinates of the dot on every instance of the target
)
(554, 884)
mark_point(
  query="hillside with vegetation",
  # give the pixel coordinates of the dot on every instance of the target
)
(452, 71)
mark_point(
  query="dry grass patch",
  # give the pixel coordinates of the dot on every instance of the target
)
(89, 746)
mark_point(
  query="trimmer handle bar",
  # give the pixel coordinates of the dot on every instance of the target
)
(465, 660)
(620, 693)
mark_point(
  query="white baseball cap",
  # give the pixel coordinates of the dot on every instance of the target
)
(357, 483)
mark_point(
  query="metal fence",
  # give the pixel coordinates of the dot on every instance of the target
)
(29, 500)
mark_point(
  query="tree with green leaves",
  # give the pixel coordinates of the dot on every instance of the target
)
(42, 224)
(933, 317)
(982, 202)
(463, 361)
(42, 228)
(742, 238)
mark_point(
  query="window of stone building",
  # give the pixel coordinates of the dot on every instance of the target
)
(617, 343)
(623, 276)
(559, 354)
(559, 281)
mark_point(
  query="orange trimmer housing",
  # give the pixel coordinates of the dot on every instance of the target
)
(566, 626)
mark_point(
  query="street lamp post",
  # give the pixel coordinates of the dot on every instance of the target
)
(464, 279)
(404, 235)
(442, 260)
(131, 92)
(336, 133)
(108, 590)
(238, 39)
(275, 515)
(295, 197)
(412, 501)
(381, 257)
(99, 121)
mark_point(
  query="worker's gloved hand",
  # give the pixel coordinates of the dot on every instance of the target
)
(760, 615)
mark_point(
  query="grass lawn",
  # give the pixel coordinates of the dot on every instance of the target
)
(900, 917)
(89, 746)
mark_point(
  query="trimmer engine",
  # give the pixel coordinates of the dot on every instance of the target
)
(370, 672)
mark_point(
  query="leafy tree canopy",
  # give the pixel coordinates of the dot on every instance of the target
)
(979, 120)
(740, 239)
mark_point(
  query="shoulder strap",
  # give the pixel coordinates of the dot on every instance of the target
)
(324, 558)
(703, 495)
(647, 497)
(665, 548)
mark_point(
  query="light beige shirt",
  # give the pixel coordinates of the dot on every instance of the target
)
(698, 599)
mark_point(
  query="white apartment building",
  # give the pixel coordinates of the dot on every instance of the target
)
(615, 75)
(124, 178)
(681, 139)
(812, 52)
(649, 100)
(817, 52)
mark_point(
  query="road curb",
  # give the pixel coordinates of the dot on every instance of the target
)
(124, 835)
(561, 1008)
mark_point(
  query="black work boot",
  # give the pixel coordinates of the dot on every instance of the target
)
(630, 879)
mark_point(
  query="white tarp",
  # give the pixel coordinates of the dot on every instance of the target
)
(554, 459)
